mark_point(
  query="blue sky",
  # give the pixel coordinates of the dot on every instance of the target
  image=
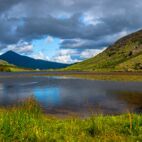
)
(65, 31)
(49, 46)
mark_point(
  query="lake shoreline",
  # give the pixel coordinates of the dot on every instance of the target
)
(28, 122)
(67, 94)
(112, 76)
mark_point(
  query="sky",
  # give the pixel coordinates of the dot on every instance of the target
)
(65, 31)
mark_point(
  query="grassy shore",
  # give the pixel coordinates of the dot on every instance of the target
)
(109, 77)
(27, 123)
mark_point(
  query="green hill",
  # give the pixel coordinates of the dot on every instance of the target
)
(123, 55)
(6, 67)
(2, 62)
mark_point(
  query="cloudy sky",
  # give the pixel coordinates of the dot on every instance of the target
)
(65, 30)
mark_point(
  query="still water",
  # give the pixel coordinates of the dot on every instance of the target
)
(66, 96)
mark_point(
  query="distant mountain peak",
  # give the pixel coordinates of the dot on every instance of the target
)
(28, 62)
(11, 52)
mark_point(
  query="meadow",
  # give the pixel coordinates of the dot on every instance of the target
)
(26, 122)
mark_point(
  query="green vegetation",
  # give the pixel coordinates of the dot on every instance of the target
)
(6, 67)
(124, 55)
(109, 77)
(132, 64)
(3, 62)
(26, 122)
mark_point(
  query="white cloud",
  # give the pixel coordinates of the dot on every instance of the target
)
(72, 55)
(65, 59)
(41, 56)
(25, 49)
(88, 53)
(65, 56)
(20, 47)
(89, 19)
(67, 51)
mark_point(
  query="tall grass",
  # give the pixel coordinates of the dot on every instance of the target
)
(27, 123)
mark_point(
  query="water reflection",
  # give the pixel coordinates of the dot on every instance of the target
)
(48, 97)
(1, 87)
(69, 95)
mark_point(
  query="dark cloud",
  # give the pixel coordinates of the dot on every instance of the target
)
(92, 22)
(83, 44)
(7, 4)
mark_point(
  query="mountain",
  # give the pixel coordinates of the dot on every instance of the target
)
(27, 62)
(124, 55)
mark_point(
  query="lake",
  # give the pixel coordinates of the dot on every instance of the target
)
(71, 96)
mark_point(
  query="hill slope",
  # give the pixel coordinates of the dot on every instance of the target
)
(2, 62)
(123, 55)
(27, 62)
(6, 67)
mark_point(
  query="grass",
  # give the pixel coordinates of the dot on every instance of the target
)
(132, 64)
(11, 68)
(27, 123)
(6, 67)
(110, 77)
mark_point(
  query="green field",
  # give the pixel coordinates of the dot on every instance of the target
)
(26, 122)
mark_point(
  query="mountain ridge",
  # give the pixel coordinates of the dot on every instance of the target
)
(28, 62)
